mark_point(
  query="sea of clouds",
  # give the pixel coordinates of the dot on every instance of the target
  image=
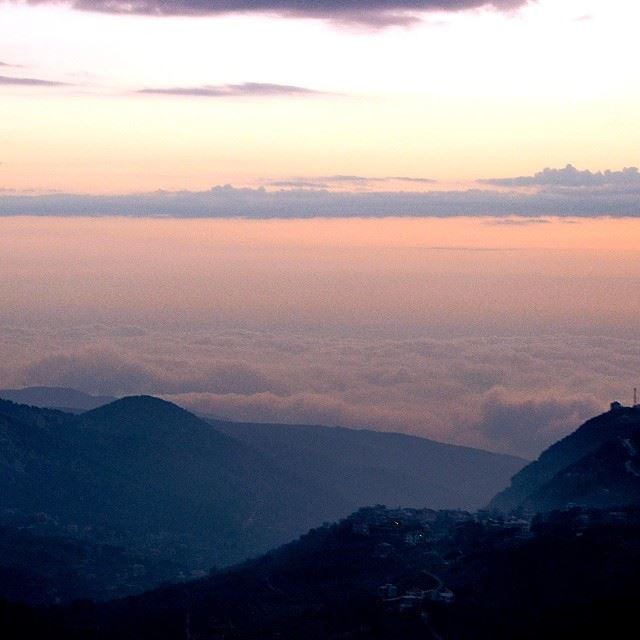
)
(511, 394)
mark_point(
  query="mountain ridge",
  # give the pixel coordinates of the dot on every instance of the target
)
(63, 398)
(141, 466)
(405, 469)
(581, 448)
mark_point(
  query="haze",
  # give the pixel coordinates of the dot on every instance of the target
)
(488, 332)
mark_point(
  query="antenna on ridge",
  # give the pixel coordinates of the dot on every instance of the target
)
(635, 396)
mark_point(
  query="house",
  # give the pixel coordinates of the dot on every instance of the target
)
(415, 538)
(442, 595)
(408, 602)
(388, 591)
(427, 516)
(520, 525)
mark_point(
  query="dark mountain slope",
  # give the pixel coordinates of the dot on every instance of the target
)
(184, 475)
(616, 424)
(549, 583)
(154, 476)
(608, 477)
(146, 474)
(35, 416)
(46, 567)
(372, 467)
(55, 398)
(39, 470)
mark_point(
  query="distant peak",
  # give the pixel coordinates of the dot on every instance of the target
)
(142, 399)
(146, 416)
(142, 402)
(140, 410)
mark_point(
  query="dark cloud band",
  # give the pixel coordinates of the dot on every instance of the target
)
(372, 12)
(245, 89)
(28, 82)
(301, 200)
(325, 182)
(570, 177)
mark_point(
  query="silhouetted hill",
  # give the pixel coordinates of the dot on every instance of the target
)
(144, 474)
(41, 563)
(373, 467)
(55, 398)
(575, 467)
(570, 575)
(155, 474)
(39, 469)
(181, 474)
(608, 477)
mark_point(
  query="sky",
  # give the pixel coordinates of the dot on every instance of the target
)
(411, 215)
(390, 96)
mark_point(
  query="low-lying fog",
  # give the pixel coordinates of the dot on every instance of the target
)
(502, 334)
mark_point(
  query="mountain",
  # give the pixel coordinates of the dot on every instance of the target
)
(157, 475)
(55, 398)
(373, 467)
(593, 466)
(173, 487)
(608, 477)
(144, 474)
(177, 472)
(41, 563)
(39, 469)
(368, 578)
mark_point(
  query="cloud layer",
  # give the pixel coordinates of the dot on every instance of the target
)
(515, 394)
(7, 81)
(373, 13)
(553, 192)
(243, 90)
(571, 177)
(326, 182)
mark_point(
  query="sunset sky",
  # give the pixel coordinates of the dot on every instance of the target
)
(413, 215)
(96, 100)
